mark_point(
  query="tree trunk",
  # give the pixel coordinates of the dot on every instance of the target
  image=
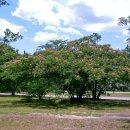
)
(72, 98)
(40, 97)
(94, 95)
(79, 97)
(99, 94)
(13, 89)
(94, 91)
(13, 93)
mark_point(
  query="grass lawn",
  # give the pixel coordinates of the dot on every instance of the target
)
(117, 94)
(61, 106)
(17, 114)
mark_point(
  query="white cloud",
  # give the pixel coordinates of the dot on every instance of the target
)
(125, 41)
(99, 27)
(44, 36)
(94, 27)
(64, 37)
(73, 2)
(117, 36)
(51, 28)
(112, 8)
(71, 31)
(4, 24)
(125, 32)
(40, 11)
(88, 15)
(67, 30)
(66, 14)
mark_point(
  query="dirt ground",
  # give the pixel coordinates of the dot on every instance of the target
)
(38, 121)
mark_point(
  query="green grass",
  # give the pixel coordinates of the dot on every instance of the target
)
(17, 114)
(114, 94)
(60, 106)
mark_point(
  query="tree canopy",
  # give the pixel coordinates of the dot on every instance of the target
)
(9, 36)
(125, 21)
(79, 68)
(3, 2)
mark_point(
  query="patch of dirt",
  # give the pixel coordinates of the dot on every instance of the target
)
(38, 121)
(104, 116)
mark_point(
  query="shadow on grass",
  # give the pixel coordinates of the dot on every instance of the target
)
(63, 103)
(86, 103)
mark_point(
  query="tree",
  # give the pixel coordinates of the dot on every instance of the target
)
(52, 45)
(10, 36)
(94, 38)
(30, 83)
(125, 21)
(75, 67)
(3, 2)
(11, 76)
(7, 53)
(81, 66)
(37, 88)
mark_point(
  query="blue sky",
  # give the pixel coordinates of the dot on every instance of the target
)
(42, 20)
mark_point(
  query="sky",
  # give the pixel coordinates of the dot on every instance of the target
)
(42, 20)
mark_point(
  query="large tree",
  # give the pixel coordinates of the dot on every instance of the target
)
(7, 53)
(75, 67)
(83, 66)
(125, 21)
(11, 77)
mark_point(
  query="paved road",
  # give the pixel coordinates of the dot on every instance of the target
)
(116, 98)
(9, 94)
(53, 96)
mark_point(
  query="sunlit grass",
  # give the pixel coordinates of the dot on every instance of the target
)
(115, 94)
(17, 114)
(60, 106)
